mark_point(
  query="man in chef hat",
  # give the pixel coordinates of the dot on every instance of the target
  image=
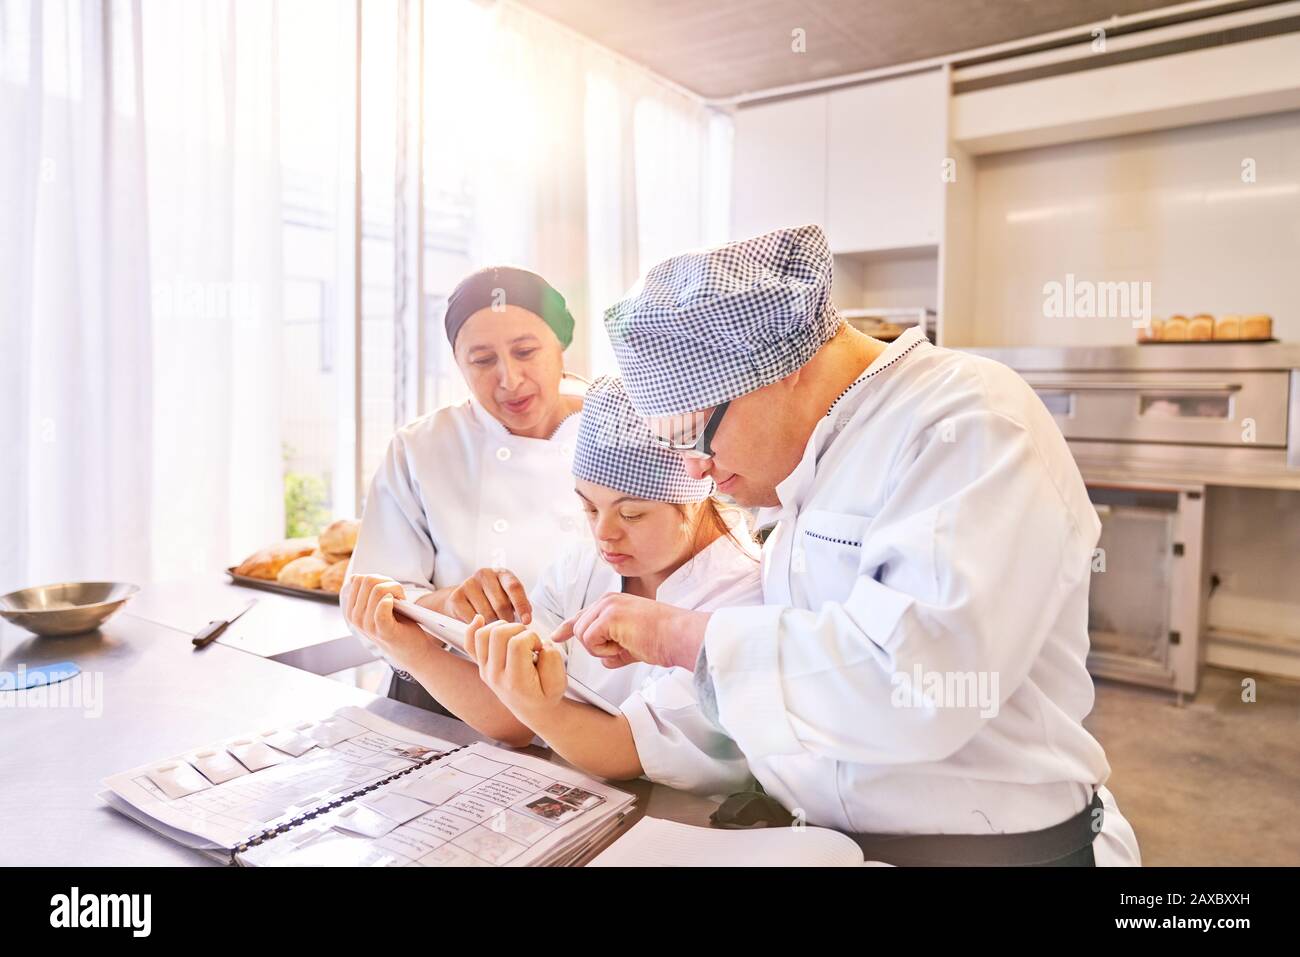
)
(916, 675)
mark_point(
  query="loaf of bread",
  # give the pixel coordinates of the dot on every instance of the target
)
(270, 561)
(1152, 332)
(304, 572)
(340, 537)
(1227, 327)
(1257, 327)
(1200, 328)
(332, 579)
(1175, 329)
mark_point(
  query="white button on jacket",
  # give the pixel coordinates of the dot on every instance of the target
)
(919, 663)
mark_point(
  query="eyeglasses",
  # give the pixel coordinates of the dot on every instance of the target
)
(701, 447)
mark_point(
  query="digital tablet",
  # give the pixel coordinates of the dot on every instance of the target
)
(452, 633)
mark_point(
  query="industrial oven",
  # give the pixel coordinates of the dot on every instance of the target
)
(1162, 433)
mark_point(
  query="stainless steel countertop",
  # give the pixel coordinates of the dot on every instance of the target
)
(1098, 472)
(161, 697)
(1152, 358)
(277, 624)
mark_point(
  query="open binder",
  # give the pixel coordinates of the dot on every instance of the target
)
(354, 789)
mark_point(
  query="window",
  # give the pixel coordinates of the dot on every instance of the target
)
(316, 137)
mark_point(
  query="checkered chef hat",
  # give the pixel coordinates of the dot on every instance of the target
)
(713, 325)
(617, 450)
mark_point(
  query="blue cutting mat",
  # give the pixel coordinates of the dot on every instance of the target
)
(37, 675)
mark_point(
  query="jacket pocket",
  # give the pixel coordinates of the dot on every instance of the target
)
(829, 550)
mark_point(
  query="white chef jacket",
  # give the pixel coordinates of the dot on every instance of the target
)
(676, 744)
(457, 492)
(936, 522)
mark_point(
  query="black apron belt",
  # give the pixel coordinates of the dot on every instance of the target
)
(1068, 844)
(407, 690)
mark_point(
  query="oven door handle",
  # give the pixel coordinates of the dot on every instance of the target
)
(1067, 386)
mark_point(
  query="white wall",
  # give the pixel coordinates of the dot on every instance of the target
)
(1165, 207)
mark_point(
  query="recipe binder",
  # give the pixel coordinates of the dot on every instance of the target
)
(355, 789)
(259, 839)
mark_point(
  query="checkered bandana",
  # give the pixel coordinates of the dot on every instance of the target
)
(713, 325)
(615, 449)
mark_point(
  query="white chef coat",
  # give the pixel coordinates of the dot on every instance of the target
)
(457, 492)
(936, 521)
(676, 744)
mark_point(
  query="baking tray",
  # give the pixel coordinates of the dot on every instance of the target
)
(314, 594)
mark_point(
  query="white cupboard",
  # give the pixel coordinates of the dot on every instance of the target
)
(884, 172)
(779, 176)
(864, 162)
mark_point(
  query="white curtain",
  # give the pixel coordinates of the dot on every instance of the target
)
(141, 364)
(75, 393)
(583, 166)
(531, 187)
(660, 186)
(211, 108)
(139, 288)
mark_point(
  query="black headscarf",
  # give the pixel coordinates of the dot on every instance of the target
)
(499, 286)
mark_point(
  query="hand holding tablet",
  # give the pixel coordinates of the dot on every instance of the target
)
(452, 633)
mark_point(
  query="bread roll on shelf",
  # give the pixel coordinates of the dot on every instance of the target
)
(1200, 328)
(1175, 329)
(1227, 327)
(1257, 327)
(1204, 327)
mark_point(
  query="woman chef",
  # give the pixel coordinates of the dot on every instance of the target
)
(473, 501)
(917, 674)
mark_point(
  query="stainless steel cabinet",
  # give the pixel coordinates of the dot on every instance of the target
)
(1146, 604)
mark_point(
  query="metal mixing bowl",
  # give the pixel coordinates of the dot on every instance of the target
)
(69, 608)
